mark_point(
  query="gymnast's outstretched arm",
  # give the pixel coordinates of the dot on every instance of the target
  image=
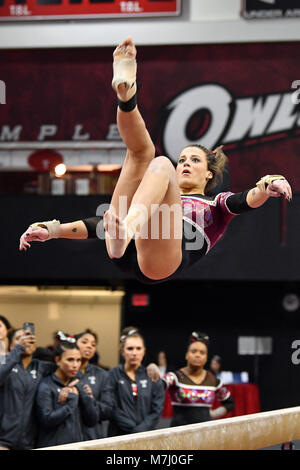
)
(44, 231)
(78, 230)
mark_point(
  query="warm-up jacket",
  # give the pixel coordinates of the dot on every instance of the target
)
(61, 423)
(130, 415)
(97, 379)
(18, 387)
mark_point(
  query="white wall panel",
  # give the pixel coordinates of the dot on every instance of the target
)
(202, 22)
(214, 10)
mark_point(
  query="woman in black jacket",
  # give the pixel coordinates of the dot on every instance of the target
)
(20, 376)
(63, 404)
(137, 400)
(95, 380)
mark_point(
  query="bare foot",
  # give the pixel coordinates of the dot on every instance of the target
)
(117, 234)
(126, 51)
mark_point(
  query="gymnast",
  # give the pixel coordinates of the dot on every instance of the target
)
(193, 389)
(160, 219)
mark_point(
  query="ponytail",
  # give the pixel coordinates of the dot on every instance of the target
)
(221, 158)
(216, 161)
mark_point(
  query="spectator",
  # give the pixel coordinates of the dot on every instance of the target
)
(96, 360)
(20, 376)
(95, 381)
(162, 363)
(62, 403)
(227, 376)
(215, 365)
(193, 389)
(164, 367)
(138, 401)
(5, 330)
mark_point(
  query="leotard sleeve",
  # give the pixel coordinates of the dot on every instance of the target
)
(235, 203)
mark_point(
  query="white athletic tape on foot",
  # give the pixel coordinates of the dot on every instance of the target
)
(124, 72)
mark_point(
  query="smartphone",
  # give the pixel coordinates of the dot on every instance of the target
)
(28, 326)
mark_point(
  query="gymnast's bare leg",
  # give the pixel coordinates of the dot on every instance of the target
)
(148, 184)
(140, 152)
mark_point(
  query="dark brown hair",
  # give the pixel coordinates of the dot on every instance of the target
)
(7, 324)
(11, 335)
(62, 347)
(87, 332)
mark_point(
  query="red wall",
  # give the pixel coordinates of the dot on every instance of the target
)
(240, 95)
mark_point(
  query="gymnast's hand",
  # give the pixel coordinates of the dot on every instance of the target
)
(280, 188)
(33, 234)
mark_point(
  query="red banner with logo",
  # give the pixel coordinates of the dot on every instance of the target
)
(245, 96)
(82, 9)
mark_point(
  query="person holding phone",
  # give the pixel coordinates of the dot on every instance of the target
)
(20, 376)
(63, 403)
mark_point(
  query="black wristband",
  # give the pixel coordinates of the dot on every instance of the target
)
(128, 106)
(91, 225)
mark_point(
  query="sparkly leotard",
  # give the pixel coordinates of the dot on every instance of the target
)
(192, 402)
(210, 217)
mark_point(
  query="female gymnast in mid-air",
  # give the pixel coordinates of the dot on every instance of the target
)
(160, 219)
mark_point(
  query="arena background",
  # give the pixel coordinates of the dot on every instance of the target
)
(249, 106)
(239, 287)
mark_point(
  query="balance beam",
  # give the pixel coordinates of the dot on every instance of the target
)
(248, 432)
